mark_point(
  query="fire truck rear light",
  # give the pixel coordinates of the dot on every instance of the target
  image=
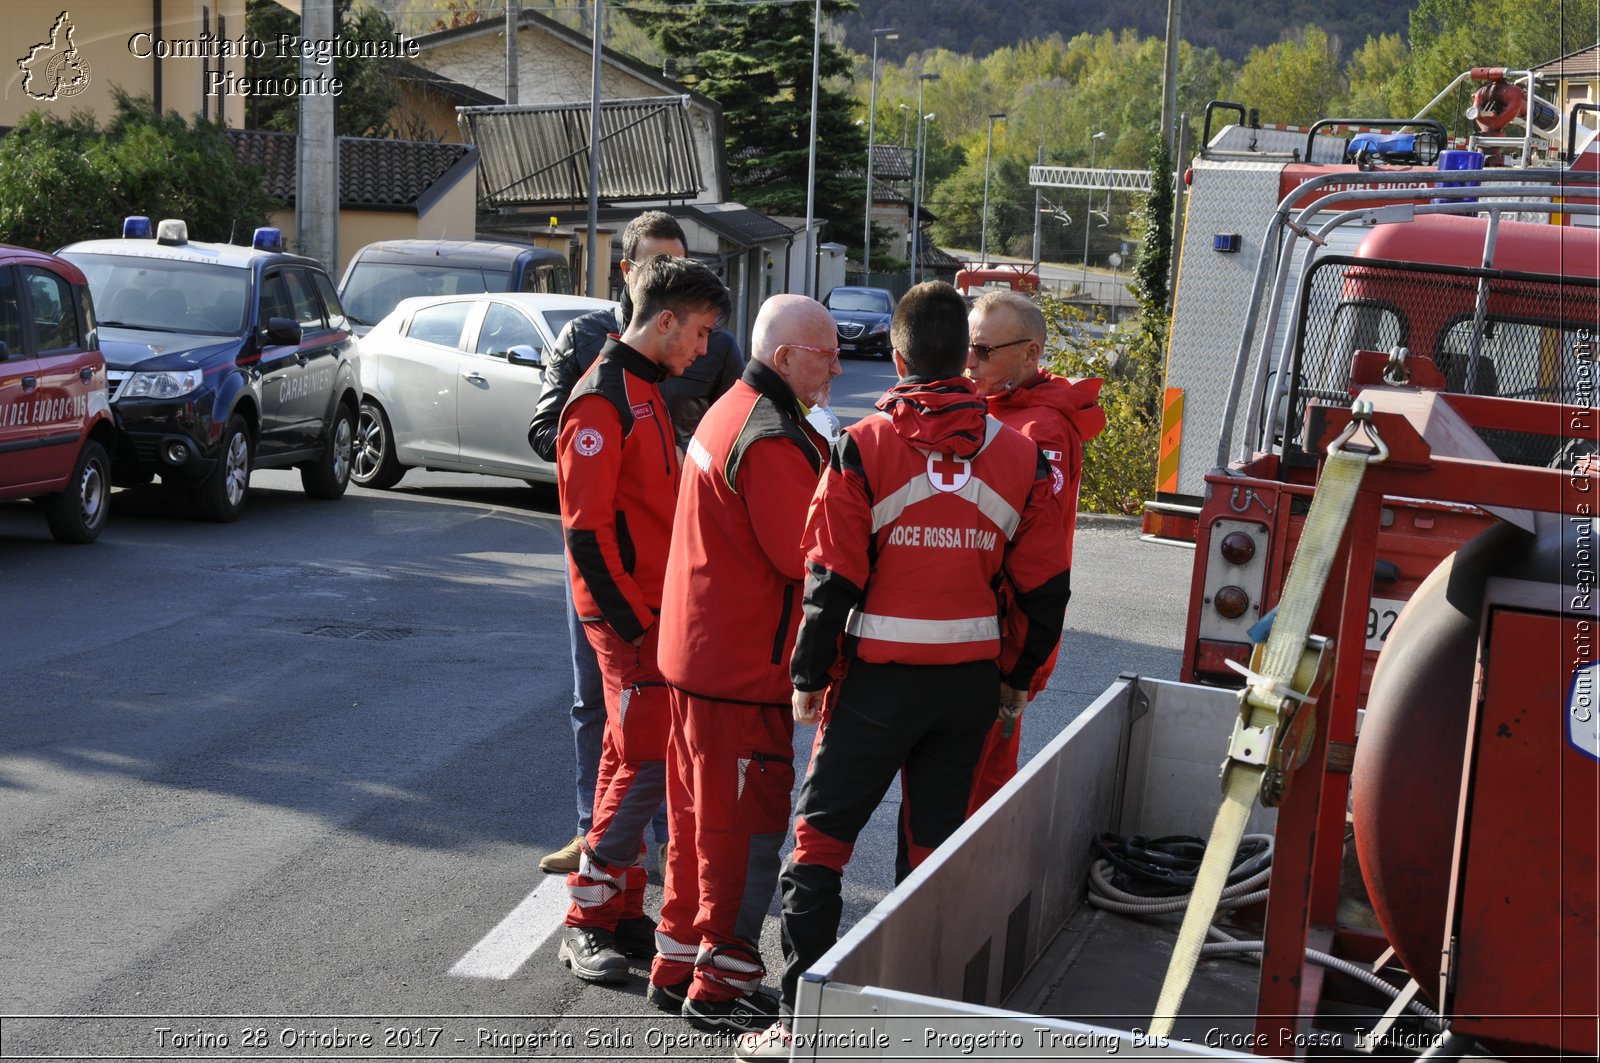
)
(1237, 548)
(1231, 602)
(1225, 242)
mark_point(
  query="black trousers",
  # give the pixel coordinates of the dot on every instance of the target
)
(925, 721)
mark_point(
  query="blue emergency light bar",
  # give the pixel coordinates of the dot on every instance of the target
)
(267, 238)
(136, 227)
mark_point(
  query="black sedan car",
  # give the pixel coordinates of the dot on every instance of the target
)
(862, 317)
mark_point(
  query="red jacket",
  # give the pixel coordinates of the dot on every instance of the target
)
(732, 597)
(617, 474)
(925, 509)
(1060, 415)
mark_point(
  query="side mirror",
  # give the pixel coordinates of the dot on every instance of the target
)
(282, 330)
(523, 354)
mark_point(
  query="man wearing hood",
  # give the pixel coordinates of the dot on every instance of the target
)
(688, 397)
(926, 507)
(1007, 332)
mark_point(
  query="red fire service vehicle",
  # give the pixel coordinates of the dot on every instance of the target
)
(56, 430)
(1385, 449)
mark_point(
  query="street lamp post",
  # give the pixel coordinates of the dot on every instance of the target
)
(811, 161)
(988, 153)
(872, 123)
(1088, 211)
(905, 124)
(916, 178)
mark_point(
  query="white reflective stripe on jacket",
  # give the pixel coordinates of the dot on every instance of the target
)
(922, 632)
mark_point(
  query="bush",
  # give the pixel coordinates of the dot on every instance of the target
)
(66, 179)
(1119, 465)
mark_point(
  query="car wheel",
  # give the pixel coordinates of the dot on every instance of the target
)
(221, 497)
(374, 464)
(329, 475)
(77, 514)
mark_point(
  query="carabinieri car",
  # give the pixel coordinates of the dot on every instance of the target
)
(222, 359)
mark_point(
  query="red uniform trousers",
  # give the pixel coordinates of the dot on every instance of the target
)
(997, 763)
(610, 880)
(730, 770)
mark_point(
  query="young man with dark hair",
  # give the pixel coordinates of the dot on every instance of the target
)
(1007, 333)
(924, 509)
(652, 233)
(728, 623)
(617, 474)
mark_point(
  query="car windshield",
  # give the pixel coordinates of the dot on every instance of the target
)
(166, 295)
(373, 288)
(869, 302)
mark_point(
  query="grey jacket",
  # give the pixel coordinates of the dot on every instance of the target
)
(688, 396)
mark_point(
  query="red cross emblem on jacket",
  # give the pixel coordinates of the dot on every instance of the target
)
(948, 472)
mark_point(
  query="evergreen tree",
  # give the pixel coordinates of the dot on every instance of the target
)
(67, 179)
(755, 60)
(1153, 269)
(370, 91)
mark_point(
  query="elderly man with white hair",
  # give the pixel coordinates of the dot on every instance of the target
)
(730, 609)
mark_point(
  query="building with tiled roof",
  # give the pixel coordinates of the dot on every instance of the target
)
(388, 189)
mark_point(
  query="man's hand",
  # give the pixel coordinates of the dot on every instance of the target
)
(1012, 702)
(808, 705)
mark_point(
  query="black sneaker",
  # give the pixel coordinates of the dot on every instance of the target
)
(669, 998)
(749, 1014)
(636, 937)
(591, 953)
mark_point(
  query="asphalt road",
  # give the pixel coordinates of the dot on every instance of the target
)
(278, 789)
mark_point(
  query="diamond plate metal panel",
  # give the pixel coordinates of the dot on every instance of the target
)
(1227, 199)
(1213, 290)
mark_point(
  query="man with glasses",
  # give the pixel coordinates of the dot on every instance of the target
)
(1007, 332)
(728, 620)
(924, 508)
(688, 396)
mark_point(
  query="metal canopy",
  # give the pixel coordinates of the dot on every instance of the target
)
(537, 155)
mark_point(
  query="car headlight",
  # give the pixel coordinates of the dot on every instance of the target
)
(166, 385)
(882, 326)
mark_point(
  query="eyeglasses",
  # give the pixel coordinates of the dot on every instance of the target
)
(983, 351)
(830, 353)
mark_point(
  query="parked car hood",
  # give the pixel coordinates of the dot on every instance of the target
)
(151, 351)
(868, 318)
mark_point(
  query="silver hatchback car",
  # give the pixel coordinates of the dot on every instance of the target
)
(450, 382)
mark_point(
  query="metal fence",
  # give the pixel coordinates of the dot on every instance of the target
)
(1490, 332)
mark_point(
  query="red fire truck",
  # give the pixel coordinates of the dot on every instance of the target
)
(1466, 330)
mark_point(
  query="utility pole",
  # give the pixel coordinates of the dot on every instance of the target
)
(513, 16)
(811, 163)
(1169, 81)
(316, 204)
(594, 160)
(1038, 212)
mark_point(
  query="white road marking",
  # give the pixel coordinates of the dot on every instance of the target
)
(504, 950)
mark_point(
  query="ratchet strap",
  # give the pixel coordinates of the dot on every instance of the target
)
(1272, 735)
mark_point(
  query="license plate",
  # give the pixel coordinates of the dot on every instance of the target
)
(1381, 615)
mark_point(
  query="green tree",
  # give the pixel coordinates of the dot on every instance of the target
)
(67, 179)
(1153, 270)
(370, 90)
(1373, 74)
(1294, 81)
(1449, 37)
(1119, 465)
(755, 60)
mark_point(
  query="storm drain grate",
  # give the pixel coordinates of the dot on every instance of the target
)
(367, 634)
